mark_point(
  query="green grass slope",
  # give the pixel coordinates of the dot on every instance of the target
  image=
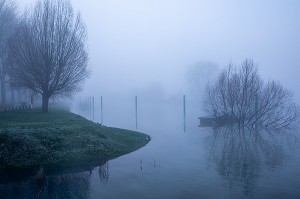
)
(31, 139)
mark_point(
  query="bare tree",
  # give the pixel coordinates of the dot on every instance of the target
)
(48, 52)
(8, 21)
(240, 95)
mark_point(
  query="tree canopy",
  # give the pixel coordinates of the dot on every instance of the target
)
(240, 95)
(47, 53)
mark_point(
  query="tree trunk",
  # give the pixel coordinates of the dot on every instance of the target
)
(3, 91)
(45, 102)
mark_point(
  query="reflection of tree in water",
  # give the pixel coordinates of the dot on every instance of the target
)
(103, 172)
(71, 185)
(75, 185)
(241, 154)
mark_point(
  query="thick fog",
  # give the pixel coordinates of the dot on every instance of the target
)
(140, 44)
(150, 61)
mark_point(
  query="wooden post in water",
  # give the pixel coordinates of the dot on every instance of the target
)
(90, 107)
(101, 110)
(184, 125)
(136, 117)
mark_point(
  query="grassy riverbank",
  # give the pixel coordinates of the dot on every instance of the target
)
(31, 139)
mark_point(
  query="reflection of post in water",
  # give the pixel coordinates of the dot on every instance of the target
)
(156, 163)
(241, 154)
(184, 125)
(103, 172)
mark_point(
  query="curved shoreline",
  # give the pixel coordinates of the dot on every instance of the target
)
(59, 139)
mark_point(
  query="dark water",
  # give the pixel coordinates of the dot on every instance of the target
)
(198, 163)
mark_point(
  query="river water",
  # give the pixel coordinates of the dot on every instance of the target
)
(197, 163)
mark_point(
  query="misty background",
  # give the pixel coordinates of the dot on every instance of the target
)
(160, 50)
(136, 45)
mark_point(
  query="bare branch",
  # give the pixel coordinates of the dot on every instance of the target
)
(240, 93)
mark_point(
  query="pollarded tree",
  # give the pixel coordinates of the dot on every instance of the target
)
(240, 95)
(47, 53)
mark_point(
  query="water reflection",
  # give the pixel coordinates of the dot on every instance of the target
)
(241, 155)
(103, 173)
(67, 185)
(75, 185)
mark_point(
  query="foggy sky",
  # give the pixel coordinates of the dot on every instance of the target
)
(135, 44)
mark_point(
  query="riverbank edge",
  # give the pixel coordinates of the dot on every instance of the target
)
(59, 140)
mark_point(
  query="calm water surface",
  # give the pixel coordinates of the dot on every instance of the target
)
(198, 163)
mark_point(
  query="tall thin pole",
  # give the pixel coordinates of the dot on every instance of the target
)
(93, 108)
(136, 119)
(184, 125)
(101, 110)
(90, 105)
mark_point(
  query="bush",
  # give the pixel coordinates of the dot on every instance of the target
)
(240, 93)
